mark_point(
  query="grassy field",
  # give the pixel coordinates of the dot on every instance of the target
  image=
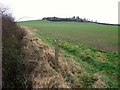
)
(103, 37)
(76, 41)
(93, 61)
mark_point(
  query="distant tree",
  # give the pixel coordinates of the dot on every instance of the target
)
(77, 18)
(84, 20)
(73, 17)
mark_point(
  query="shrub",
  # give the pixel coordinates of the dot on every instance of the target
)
(11, 56)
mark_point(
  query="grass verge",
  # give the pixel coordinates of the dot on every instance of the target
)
(91, 59)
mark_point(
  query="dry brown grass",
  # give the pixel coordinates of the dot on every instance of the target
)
(39, 63)
(38, 57)
(101, 56)
(98, 82)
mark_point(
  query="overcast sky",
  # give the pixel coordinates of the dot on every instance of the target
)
(101, 10)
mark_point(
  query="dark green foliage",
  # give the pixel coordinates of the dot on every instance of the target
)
(87, 81)
(12, 58)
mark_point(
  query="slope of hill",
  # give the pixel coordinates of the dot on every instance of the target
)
(103, 37)
(29, 62)
(72, 72)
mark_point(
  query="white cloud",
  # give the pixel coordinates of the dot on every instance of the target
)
(101, 10)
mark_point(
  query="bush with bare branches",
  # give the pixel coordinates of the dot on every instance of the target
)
(11, 58)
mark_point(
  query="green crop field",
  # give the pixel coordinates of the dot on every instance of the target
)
(86, 43)
(103, 37)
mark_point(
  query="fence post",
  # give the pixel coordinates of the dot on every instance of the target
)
(56, 53)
